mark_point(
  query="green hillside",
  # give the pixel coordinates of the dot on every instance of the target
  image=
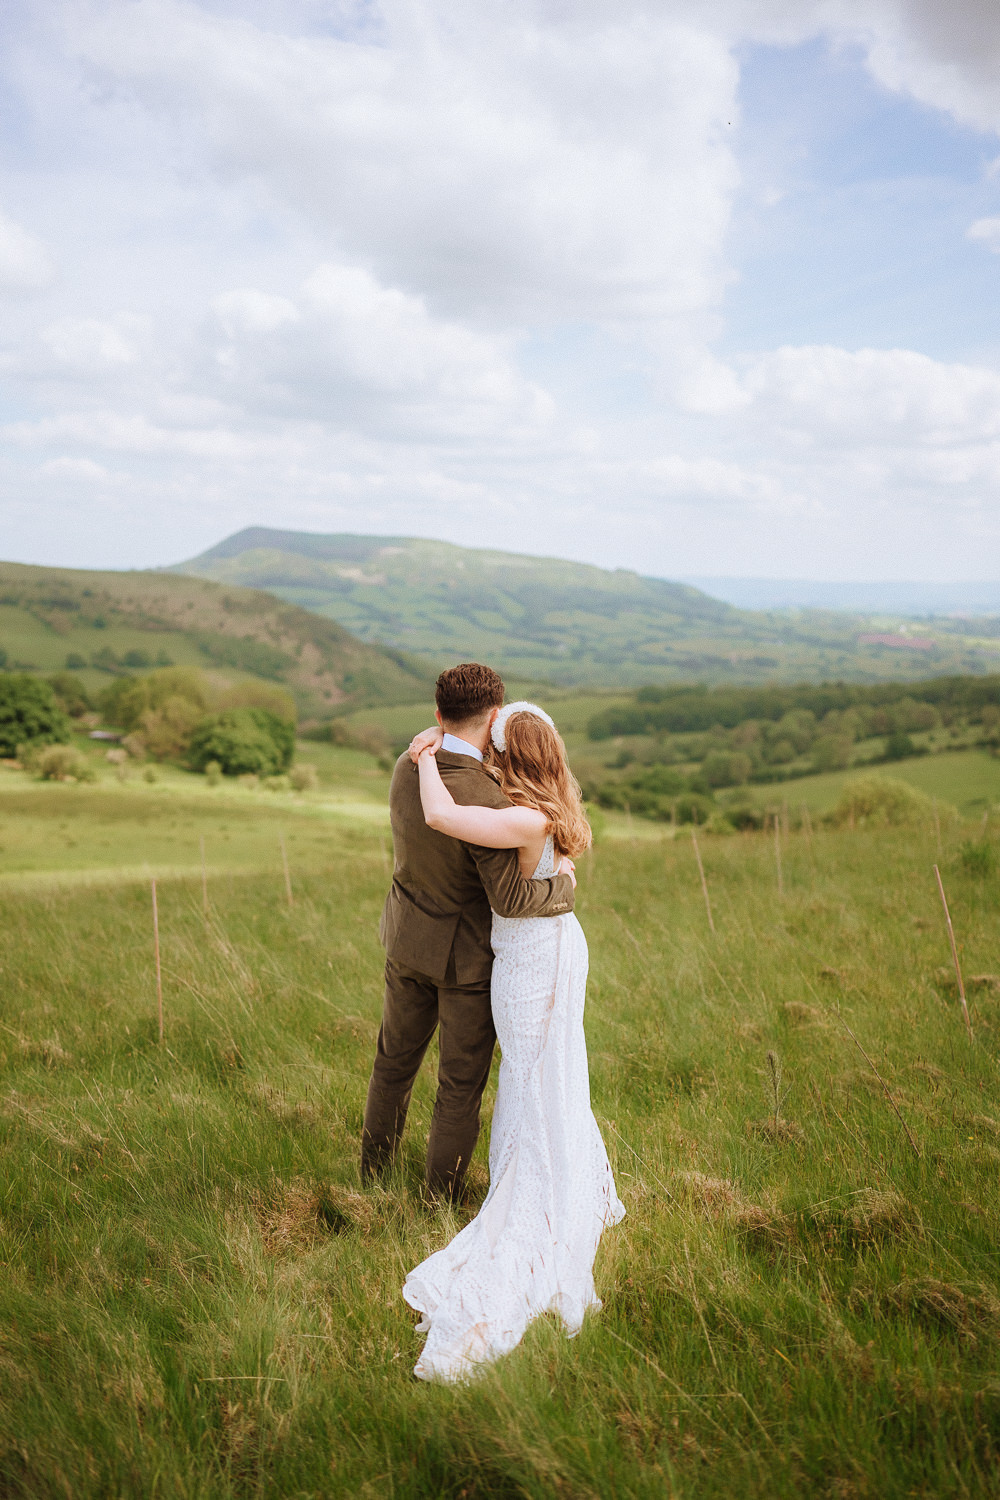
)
(571, 623)
(102, 624)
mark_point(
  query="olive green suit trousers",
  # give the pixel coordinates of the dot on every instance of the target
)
(436, 932)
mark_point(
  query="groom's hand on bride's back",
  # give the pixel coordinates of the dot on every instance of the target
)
(567, 867)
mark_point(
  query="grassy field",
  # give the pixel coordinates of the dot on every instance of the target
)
(571, 711)
(966, 779)
(198, 1301)
(111, 831)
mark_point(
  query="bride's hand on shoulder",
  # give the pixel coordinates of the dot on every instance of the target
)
(427, 739)
(567, 867)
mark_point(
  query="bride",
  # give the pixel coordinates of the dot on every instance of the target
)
(531, 1247)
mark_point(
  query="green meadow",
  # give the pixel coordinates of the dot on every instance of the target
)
(199, 1302)
(964, 780)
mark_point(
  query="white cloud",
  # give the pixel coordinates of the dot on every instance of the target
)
(25, 264)
(456, 270)
(875, 396)
(83, 470)
(248, 311)
(88, 344)
(988, 231)
(505, 161)
(351, 350)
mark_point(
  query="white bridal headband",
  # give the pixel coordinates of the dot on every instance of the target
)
(499, 724)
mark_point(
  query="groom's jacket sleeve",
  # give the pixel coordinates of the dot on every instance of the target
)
(510, 893)
(437, 916)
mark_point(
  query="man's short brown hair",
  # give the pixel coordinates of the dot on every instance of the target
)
(467, 692)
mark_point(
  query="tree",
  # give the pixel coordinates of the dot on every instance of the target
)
(124, 702)
(71, 695)
(831, 752)
(726, 767)
(898, 746)
(29, 714)
(243, 740)
(252, 693)
(166, 731)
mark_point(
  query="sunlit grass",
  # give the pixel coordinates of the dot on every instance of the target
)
(199, 1300)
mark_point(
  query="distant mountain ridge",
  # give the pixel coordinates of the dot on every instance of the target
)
(912, 598)
(539, 618)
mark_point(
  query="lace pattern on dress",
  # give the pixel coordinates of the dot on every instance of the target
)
(531, 1247)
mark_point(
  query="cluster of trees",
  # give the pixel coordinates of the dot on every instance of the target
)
(766, 734)
(107, 660)
(700, 740)
(170, 714)
(687, 709)
(29, 714)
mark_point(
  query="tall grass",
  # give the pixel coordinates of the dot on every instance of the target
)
(199, 1301)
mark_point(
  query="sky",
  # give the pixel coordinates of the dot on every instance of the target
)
(695, 290)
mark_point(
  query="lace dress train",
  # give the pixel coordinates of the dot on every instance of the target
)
(531, 1247)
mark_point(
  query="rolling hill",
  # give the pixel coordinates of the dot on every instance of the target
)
(572, 623)
(100, 624)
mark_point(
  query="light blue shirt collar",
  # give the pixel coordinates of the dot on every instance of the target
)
(460, 747)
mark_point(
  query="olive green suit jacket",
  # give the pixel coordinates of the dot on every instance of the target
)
(438, 913)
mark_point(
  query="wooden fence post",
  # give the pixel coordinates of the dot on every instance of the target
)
(288, 878)
(954, 953)
(704, 882)
(159, 976)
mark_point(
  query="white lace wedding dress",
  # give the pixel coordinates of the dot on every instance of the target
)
(531, 1247)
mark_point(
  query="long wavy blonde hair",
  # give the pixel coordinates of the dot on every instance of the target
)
(533, 772)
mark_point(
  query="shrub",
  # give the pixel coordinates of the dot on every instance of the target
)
(62, 763)
(135, 746)
(899, 746)
(304, 778)
(649, 793)
(29, 714)
(244, 741)
(879, 801)
(118, 758)
(693, 808)
(746, 815)
(74, 661)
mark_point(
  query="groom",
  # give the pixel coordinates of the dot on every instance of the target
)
(436, 933)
